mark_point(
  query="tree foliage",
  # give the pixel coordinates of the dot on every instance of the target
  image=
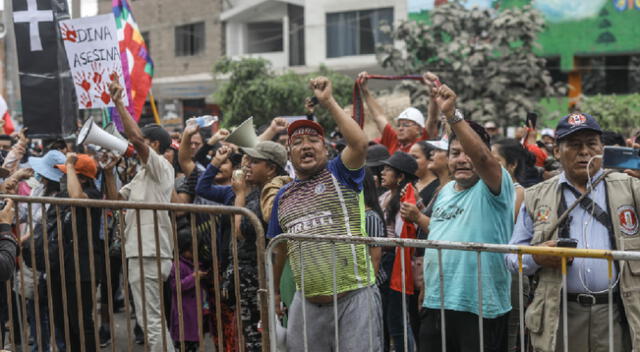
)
(253, 89)
(614, 113)
(486, 56)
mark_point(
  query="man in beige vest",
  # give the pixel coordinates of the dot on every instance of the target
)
(606, 219)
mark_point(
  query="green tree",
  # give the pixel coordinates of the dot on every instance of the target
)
(253, 89)
(614, 113)
(486, 56)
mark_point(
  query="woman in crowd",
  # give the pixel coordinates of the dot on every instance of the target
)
(514, 157)
(374, 219)
(397, 176)
(188, 300)
(428, 181)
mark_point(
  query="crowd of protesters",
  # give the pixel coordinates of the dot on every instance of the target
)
(440, 178)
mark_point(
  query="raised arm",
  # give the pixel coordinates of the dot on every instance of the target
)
(12, 160)
(486, 165)
(353, 156)
(376, 110)
(110, 180)
(432, 81)
(185, 159)
(131, 129)
(278, 124)
(74, 187)
(206, 187)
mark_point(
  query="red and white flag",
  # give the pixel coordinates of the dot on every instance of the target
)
(6, 117)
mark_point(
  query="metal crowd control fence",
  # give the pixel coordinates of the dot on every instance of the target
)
(63, 208)
(564, 253)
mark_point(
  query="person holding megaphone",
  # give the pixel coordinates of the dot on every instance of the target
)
(152, 184)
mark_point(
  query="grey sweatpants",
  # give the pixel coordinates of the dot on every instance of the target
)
(359, 323)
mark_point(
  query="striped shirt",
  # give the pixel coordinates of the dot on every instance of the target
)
(329, 203)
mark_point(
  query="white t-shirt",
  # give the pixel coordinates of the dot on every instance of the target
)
(152, 184)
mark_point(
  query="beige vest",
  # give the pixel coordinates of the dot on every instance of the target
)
(542, 201)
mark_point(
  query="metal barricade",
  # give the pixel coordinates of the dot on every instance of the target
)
(439, 246)
(52, 323)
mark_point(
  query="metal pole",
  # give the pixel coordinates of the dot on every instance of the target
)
(565, 325)
(480, 310)
(76, 6)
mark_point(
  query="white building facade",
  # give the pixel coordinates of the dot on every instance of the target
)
(303, 34)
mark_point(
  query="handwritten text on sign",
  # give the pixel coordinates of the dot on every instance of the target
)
(92, 51)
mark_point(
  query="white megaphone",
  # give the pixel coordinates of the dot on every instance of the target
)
(244, 135)
(92, 134)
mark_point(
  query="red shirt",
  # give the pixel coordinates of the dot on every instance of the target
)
(390, 140)
(540, 154)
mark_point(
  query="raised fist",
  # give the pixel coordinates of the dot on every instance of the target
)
(322, 88)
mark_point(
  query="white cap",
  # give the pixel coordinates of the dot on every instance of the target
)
(548, 132)
(442, 144)
(412, 114)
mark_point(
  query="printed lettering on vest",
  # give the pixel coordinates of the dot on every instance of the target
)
(628, 220)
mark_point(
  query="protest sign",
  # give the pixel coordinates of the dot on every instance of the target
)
(92, 51)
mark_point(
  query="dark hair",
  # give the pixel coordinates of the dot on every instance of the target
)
(370, 193)
(51, 188)
(236, 159)
(185, 242)
(515, 154)
(426, 148)
(278, 134)
(154, 132)
(205, 133)
(479, 130)
(57, 144)
(394, 202)
(612, 138)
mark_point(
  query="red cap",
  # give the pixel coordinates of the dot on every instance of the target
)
(305, 124)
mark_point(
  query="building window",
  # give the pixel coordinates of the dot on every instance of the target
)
(189, 39)
(356, 32)
(264, 37)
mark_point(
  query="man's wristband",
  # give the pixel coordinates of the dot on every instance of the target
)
(457, 117)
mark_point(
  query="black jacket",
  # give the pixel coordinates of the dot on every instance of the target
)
(8, 248)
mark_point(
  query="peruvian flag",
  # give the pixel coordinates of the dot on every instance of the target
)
(6, 118)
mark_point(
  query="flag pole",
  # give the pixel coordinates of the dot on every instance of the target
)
(153, 107)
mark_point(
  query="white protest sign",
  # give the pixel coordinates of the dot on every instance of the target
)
(92, 51)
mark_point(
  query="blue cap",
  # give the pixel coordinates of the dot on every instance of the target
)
(46, 165)
(575, 122)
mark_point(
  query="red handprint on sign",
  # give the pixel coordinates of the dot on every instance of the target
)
(68, 33)
(115, 73)
(98, 71)
(104, 94)
(81, 79)
(85, 100)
